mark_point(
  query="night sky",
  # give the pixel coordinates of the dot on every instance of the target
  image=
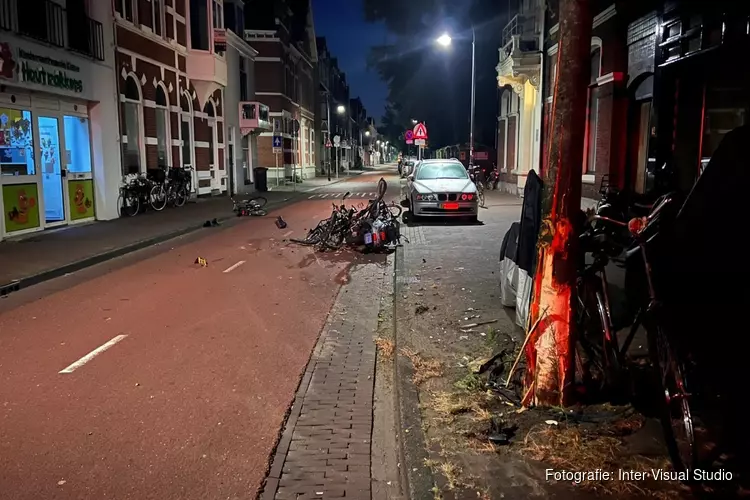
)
(349, 39)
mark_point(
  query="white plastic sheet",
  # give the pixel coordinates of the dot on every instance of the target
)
(523, 297)
(508, 282)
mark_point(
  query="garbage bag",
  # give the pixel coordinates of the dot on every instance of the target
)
(523, 297)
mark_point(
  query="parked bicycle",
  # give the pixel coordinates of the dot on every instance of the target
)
(601, 357)
(156, 189)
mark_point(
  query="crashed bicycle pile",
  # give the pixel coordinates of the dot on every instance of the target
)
(370, 228)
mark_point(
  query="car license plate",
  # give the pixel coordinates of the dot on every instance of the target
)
(368, 238)
(450, 206)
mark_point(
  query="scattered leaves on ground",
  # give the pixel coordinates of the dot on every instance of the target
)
(424, 369)
(385, 346)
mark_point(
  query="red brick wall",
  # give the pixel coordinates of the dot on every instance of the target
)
(164, 58)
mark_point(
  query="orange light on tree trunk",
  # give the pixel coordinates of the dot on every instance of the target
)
(550, 350)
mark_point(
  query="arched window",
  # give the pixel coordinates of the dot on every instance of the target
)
(162, 127)
(186, 129)
(131, 138)
(211, 114)
(593, 109)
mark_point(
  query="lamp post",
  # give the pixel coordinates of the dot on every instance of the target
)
(445, 40)
(340, 110)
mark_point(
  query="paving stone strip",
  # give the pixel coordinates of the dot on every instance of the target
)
(324, 451)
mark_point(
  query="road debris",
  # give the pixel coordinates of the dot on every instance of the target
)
(201, 261)
(280, 223)
(480, 323)
(421, 309)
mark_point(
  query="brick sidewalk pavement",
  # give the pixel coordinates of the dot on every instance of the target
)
(324, 451)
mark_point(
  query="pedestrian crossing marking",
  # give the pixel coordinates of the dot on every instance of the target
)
(322, 196)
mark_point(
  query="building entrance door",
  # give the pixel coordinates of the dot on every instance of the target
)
(51, 170)
(79, 183)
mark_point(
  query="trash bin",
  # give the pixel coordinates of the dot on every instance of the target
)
(261, 179)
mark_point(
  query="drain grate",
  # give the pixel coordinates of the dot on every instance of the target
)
(11, 287)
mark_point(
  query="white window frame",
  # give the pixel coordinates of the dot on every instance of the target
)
(141, 131)
(134, 8)
(158, 18)
(164, 110)
(217, 6)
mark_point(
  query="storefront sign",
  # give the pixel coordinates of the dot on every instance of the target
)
(81, 196)
(50, 72)
(20, 207)
(31, 66)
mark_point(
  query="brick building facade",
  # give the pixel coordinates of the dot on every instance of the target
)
(171, 81)
(283, 34)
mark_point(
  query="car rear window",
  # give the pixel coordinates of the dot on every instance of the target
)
(430, 171)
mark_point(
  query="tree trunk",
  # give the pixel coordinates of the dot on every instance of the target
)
(550, 351)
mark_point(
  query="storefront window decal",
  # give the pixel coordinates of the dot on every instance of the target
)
(20, 207)
(16, 143)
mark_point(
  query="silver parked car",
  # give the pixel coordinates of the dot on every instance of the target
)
(441, 188)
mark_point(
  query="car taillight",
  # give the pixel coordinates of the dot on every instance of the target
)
(467, 197)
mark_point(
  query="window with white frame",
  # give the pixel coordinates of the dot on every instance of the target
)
(131, 141)
(157, 17)
(593, 111)
(246, 160)
(162, 127)
(185, 130)
(209, 110)
(218, 14)
(126, 9)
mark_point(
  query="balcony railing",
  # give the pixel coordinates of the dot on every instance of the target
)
(520, 25)
(48, 22)
(254, 116)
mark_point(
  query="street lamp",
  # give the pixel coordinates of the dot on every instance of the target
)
(367, 133)
(445, 40)
(340, 109)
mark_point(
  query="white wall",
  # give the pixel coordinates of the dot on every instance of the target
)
(105, 124)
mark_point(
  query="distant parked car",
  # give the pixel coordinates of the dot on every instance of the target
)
(441, 188)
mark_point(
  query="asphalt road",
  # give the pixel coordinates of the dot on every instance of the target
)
(153, 377)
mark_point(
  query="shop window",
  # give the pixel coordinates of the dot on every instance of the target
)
(131, 144)
(16, 142)
(162, 128)
(77, 144)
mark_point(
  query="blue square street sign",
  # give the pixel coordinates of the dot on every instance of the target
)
(277, 142)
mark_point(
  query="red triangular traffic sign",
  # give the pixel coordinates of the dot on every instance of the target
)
(420, 131)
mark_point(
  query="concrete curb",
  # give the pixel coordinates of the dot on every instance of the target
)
(93, 260)
(416, 477)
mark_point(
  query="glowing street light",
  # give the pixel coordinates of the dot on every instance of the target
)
(444, 40)
(367, 133)
(340, 109)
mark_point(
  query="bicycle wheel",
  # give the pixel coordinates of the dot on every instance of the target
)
(395, 210)
(181, 196)
(157, 197)
(260, 201)
(128, 205)
(676, 415)
(480, 195)
(258, 212)
(314, 235)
